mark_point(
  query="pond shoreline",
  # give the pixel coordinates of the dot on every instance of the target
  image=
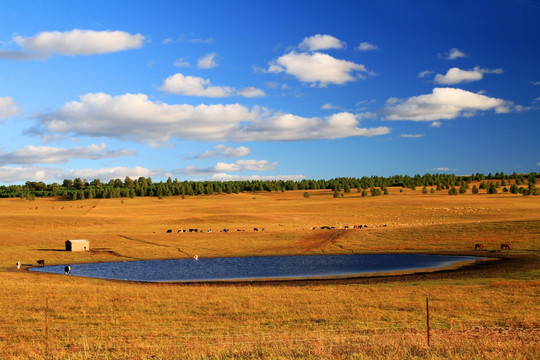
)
(472, 261)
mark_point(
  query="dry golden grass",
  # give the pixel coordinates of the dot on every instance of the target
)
(492, 316)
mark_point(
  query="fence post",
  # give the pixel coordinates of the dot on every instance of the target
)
(47, 327)
(427, 319)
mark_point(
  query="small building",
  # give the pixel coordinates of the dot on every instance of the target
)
(77, 245)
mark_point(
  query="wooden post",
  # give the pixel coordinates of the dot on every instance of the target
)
(427, 320)
(47, 327)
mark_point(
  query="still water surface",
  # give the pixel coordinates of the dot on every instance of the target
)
(252, 268)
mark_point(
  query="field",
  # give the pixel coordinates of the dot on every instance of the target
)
(486, 311)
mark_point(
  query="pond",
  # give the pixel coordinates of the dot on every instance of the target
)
(257, 268)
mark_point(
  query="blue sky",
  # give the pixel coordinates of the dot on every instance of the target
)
(226, 90)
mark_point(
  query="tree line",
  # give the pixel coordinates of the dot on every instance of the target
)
(79, 189)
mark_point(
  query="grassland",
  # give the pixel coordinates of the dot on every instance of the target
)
(489, 311)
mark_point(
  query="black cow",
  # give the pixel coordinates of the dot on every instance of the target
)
(41, 263)
(67, 270)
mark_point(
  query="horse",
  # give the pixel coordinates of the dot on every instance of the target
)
(505, 246)
(478, 247)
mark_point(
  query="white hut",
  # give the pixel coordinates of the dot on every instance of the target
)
(77, 245)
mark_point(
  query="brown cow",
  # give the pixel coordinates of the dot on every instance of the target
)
(478, 247)
(505, 246)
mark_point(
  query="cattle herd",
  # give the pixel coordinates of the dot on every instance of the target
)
(170, 231)
(325, 227)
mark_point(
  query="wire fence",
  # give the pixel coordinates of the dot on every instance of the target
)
(55, 332)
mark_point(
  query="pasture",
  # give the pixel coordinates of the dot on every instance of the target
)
(487, 311)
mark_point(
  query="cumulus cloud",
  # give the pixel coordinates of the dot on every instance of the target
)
(453, 54)
(13, 175)
(31, 154)
(318, 68)
(228, 177)
(436, 124)
(180, 62)
(8, 108)
(443, 103)
(72, 43)
(321, 42)
(365, 46)
(222, 167)
(207, 61)
(328, 106)
(194, 86)
(223, 151)
(251, 92)
(135, 117)
(411, 136)
(456, 75)
(423, 74)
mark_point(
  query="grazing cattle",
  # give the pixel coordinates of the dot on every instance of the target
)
(255, 229)
(67, 270)
(505, 246)
(169, 231)
(196, 257)
(181, 231)
(478, 247)
(209, 230)
(41, 263)
(18, 265)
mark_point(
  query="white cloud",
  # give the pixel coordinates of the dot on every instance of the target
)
(453, 54)
(80, 42)
(442, 169)
(251, 92)
(321, 42)
(221, 150)
(535, 83)
(256, 165)
(51, 155)
(8, 108)
(423, 74)
(443, 103)
(436, 124)
(227, 177)
(456, 75)
(222, 167)
(13, 175)
(207, 61)
(134, 116)
(194, 86)
(180, 62)
(328, 106)
(365, 46)
(411, 136)
(318, 68)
